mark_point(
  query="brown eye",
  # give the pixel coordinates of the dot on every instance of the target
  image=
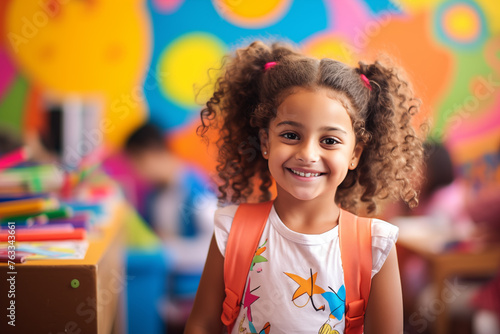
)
(290, 135)
(330, 141)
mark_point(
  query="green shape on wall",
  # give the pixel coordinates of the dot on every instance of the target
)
(460, 103)
(12, 106)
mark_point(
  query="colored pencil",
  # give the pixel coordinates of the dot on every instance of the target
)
(13, 158)
(81, 220)
(81, 216)
(20, 218)
(75, 223)
(27, 206)
(10, 189)
(61, 212)
(78, 207)
(44, 227)
(37, 179)
(23, 235)
(28, 221)
(18, 258)
(14, 197)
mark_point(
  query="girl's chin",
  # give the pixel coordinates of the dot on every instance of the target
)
(300, 196)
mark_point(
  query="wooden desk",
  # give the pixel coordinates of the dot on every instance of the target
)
(45, 300)
(445, 265)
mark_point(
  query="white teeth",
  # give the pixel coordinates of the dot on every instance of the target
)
(305, 174)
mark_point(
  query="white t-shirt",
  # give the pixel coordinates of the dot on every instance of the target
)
(296, 282)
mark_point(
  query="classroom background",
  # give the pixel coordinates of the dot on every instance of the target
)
(78, 77)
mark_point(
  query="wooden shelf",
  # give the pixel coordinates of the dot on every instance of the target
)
(45, 300)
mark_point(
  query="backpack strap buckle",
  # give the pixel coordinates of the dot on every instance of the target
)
(230, 307)
(355, 314)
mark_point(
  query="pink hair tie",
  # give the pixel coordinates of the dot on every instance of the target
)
(270, 65)
(366, 82)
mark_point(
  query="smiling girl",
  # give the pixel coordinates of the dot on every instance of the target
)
(330, 136)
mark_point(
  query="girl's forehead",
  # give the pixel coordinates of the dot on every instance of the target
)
(313, 106)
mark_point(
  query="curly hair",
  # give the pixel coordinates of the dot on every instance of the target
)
(246, 99)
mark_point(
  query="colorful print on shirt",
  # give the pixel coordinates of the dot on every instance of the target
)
(334, 299)
(258, 258)
(250, 298)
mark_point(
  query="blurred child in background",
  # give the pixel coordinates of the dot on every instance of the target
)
(180, 209)
(180, 194)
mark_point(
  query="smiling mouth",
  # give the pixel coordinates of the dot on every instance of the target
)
(303, 174)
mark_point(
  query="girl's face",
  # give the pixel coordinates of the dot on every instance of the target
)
(310, 145)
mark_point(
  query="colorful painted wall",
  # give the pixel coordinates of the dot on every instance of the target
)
(145, 59)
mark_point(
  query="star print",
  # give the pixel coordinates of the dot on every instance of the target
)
(258, 258)
(306, 286)
(249, 300)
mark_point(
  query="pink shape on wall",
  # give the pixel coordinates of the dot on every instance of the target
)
(8, 72)
(350, 19)
(478, 127)
(167, 6)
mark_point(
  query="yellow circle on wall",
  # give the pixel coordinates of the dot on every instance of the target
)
(183, 68)
(462, 23)
(252, 13)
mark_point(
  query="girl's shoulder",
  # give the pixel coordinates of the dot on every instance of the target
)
(384, 236)
(381, 228)
(226, 211)
(224, 217)
(222, 225)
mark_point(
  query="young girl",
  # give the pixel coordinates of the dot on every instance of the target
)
(331, 137)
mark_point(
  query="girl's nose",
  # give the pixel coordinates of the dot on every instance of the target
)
(307, 152)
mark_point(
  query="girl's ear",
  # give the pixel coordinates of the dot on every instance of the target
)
(356, 154)
(264, 143)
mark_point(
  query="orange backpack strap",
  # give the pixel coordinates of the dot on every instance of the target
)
(356, 253)
(246, 230)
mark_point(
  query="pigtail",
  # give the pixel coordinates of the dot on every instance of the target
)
(391, 161)
(230, 111)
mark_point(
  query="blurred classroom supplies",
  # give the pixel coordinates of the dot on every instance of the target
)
(61, 212)
(36, 234)
(449, 254)
(14, 158)
(27, 206)
(26, 180)
(19, 257)
(434, 234)
(12, 197)
(67, 225)
(72, 277)
(45, 202)
(68, 250)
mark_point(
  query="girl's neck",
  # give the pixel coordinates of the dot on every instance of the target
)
(308, 217)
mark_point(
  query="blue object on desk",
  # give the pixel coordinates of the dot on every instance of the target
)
(146, 289)
(95, 210)
(12, 197)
